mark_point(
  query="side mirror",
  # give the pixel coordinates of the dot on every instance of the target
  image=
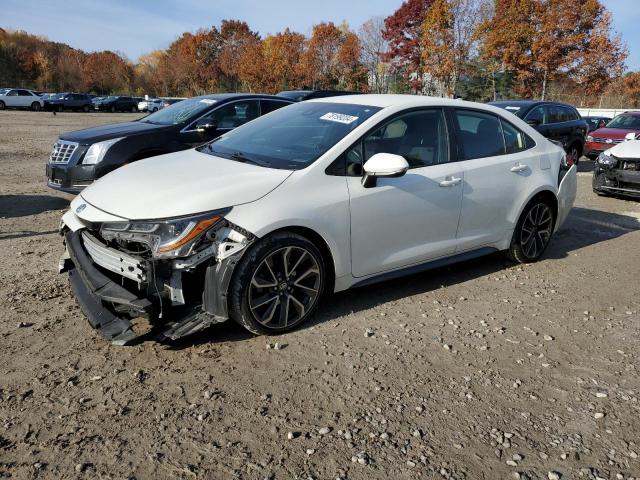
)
(383, 165)
(630, 136)
(206, 126)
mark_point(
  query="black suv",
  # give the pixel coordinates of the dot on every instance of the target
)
(69, 101)
(556, 121)
(78, 158)
(116, 104)
(301, 95)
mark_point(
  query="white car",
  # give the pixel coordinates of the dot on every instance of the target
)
(617, 170)
(151, 105)
(316, 197)
(20, 98)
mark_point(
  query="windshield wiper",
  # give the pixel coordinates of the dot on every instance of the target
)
(241, 157)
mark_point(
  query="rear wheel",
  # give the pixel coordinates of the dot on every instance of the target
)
(2, 105)
(533, 232)
(113, 109)
(35, 106)
(576, 152)
(85, 108)
(277, 284)
(134, 109)
(60, 108)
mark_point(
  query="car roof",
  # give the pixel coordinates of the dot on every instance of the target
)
(398, 100)
(527, 103)
(234, 96)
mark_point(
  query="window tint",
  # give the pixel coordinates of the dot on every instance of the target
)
(271, 105)
(480, 134)
(420, 137)
(235, 114)
(571, 114)
(24, 93)
(538, 114)
(514, 139)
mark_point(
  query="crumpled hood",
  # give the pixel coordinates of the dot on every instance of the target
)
(179, 184)
(628, 149)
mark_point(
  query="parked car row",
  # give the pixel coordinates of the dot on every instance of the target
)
(288, 204)
(58, 102)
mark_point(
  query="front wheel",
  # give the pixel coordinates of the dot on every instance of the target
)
(35, 106)
(113, 109)
(85, 108)
(134, 109)
(2, 105)
(533, 232)
(277, 284)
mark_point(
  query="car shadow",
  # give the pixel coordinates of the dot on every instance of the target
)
(586, 166)
(12, 206)
(583, 227)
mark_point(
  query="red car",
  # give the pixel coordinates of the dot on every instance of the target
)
(615, 132)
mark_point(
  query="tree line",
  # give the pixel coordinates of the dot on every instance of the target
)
(475, 49)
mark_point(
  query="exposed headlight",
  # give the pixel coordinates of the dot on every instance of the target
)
(97, 151)
(608, 160)
(589, 138)
(166, 238)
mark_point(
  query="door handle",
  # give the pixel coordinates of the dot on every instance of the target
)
(518, 167)
(450, 182)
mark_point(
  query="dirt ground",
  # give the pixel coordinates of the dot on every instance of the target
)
(483, 370)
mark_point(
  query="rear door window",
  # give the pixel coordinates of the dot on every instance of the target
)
(480, 134)
(271, 105)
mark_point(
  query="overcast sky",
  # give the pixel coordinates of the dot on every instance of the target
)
(137, 27)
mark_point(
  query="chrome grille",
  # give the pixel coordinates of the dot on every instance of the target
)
(62, 151)
(611, 141)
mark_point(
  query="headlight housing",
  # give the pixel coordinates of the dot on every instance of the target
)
(607, 160)
(166, 238)
(97, 151)
(589, 138)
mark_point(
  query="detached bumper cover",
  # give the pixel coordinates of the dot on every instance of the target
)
(91, 287)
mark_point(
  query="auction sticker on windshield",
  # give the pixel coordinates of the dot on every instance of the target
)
(339, 117)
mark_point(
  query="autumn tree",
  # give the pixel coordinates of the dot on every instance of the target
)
(540, 40)
(631, 83)
(104, 72)
(332, 59)
(448, 40)
(373, 53)
(403, 31)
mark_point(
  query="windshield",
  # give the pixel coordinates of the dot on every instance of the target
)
(629, 122)
(179, 112)
(515, 109)
(292, 137)
(3, 90)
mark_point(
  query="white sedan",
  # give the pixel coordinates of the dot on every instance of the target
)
(316, 197)
(20, 98)
(150, 105)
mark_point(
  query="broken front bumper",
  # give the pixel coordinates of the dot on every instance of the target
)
(618, 181)
(95, 268)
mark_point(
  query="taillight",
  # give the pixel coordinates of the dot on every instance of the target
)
(569, 160)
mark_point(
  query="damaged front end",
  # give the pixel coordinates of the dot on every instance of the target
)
(618, 176)
(173, 273)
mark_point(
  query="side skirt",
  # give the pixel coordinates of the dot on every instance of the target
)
(423, 267)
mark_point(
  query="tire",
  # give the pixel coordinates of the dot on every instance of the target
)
(576, 152)
(113, 109)
(60, 108)
(533, 231)
(262, 298)
(35, 106)
(134, 109)
(85, 108)
(2, 105)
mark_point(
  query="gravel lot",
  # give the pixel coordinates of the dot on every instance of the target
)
(483, 370)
